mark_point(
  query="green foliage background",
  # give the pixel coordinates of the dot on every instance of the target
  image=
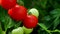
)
(49, 17)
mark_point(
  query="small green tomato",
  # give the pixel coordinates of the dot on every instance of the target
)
(18, 31)
(27, 31)
(34, 12)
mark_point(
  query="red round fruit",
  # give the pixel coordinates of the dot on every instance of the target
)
(30, 21)
(0, 2)
(7, 4)
(18, 12)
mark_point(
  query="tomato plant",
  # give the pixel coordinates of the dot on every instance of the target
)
(29, 16)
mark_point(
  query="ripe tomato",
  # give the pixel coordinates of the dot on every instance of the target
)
(7, 4)
(18, 12)
(30, 21)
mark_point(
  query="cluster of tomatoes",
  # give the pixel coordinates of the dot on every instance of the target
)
(20, 13)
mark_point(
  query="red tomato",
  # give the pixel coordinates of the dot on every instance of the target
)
(18, 12)
(30, 21)
(7, 4)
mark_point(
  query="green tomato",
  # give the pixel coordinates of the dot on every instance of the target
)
(34, 12)
(27, 31)
(18, 31)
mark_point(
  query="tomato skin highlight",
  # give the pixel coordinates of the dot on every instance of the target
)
(30, 21)
(18, 12)
(8, 4)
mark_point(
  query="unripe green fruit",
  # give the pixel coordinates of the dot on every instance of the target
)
(34, 12)
(18, 31)
(27, 31)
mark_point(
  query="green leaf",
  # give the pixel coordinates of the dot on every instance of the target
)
(55, 15)
(27, 3)
(47, 18)
(56, 22)
(55, 3)
(17, 24)
(43, 3)
(20, 2)
(1, 31)
(44, 27)
(7, 22)
(47, 21)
